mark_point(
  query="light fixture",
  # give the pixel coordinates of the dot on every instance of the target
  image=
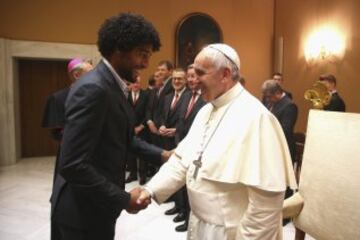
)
(324, 43)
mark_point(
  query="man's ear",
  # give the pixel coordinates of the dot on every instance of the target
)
(77, 74)
(226, 73)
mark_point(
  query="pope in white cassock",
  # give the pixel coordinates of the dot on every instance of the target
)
(234, 160)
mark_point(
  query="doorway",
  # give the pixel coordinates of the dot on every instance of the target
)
(38, 79)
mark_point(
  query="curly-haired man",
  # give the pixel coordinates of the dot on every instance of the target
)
(88, 193)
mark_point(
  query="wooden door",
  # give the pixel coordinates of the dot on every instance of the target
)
(37, 80)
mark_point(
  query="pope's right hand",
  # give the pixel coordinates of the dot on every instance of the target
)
(144, 197)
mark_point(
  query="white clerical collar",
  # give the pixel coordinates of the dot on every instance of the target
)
(118, 79)
(227, 96)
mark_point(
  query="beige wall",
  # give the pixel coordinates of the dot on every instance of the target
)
(294, 21)
(247, 25)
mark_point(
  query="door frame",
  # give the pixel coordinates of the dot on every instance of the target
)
(10, 51)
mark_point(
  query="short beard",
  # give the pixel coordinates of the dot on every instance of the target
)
(127, 75)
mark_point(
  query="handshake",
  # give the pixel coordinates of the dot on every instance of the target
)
(140, 198)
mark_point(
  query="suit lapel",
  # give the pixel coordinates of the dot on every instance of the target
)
(197, 106)
(279, 106)
(118, 93)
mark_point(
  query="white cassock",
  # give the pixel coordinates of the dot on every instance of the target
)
(239, 190)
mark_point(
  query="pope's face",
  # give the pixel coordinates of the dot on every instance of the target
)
(210, 78)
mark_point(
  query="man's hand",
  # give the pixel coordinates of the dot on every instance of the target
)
(170, 132)
(165, 155)
(153, 128)
(134, 206)
(162, 130)
(143, 197)
(167, 132)
(138, 129)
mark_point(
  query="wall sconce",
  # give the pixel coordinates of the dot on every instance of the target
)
(325, 44)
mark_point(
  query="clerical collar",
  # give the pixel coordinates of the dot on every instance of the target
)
(227, 96)
(122, 83)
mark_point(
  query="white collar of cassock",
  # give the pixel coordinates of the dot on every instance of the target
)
(227, 96)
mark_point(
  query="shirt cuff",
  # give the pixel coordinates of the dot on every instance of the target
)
(149, 191)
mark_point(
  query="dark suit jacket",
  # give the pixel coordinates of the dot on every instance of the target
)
(268, 105)
(169, 118)
(288, 94)
(156, 103)
(54, 113)
(286, 112)
(336, 103)
(184, 124)
(89, 186)
(139, 107)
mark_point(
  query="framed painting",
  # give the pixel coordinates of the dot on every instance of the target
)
(194, 32)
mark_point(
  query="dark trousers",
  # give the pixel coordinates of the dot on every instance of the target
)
(134, 167)
(182, 201)
(96, 232)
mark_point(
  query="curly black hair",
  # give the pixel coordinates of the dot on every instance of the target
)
(126, 31)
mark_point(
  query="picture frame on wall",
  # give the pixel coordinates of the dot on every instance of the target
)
(194, 32)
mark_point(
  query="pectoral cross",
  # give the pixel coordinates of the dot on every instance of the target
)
(197, 164)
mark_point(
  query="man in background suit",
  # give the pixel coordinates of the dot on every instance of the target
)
(336, 102)
(169, 119)
(156, 98)
(89, 190)
(192, 104)
(286, 112)
(171, 111)
(284, 109)
(278, 77)
(54, 113)
(138, 100)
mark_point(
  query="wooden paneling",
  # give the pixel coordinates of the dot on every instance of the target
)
(37, 80)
